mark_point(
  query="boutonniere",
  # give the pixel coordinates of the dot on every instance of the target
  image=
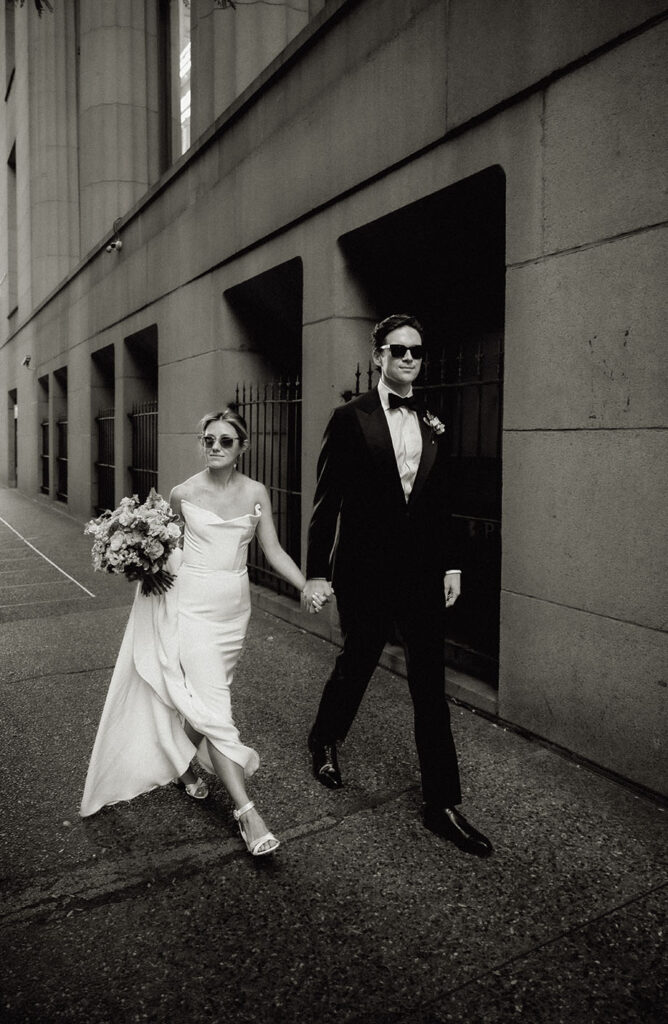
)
(433, 423)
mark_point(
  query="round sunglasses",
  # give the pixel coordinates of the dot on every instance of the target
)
(225, 441)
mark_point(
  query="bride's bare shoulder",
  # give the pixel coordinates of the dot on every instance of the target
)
(255, 492)
(187, 489)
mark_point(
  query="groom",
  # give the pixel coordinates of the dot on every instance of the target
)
(382, 485)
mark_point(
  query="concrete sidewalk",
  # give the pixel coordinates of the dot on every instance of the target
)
(153, 911)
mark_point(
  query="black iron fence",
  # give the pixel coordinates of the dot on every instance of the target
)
(61, 460)
(15, 449)
(144, 468)
(44, 457)
(104, 465)
(463, 387)
(273, 414)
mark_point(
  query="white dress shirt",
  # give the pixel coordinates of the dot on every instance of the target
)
(406, 439)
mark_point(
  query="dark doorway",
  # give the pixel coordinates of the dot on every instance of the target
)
(268, 311)
(61, 433)
(44, 448)
(12, 448)
(141, 396)
(103, 413)
(443, 260)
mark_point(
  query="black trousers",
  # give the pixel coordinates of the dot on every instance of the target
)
(418, 614)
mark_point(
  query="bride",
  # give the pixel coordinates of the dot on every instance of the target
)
(169, 696)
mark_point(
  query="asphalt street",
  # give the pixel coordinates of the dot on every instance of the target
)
(153, 911)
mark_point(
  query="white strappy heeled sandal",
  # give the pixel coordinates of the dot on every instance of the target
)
(254, 847)
(198, 790)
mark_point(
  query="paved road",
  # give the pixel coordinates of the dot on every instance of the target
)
(152, 910)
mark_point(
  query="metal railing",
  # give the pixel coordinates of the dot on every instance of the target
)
(144, 468)
(273, 414)
(61, 460)
(104, 465)
(44, 457)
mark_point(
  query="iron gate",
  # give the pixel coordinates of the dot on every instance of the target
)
(44, 457)
(61, 460)
(273, 415)
(463, 387)
(15, 442)
(144, 468)
(104, 466)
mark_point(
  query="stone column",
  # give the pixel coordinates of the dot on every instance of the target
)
(203, 57)
(53, 162)
(125, 394)
(335, 338)
(80, 445)
(114, 100)
(232, 46)
(261, 32)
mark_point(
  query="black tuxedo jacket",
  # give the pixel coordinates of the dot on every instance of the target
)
(363, 534)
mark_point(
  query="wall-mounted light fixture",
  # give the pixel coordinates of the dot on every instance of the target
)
(26, 361)
(116, 245)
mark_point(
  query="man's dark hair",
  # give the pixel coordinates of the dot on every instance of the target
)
(390, 323)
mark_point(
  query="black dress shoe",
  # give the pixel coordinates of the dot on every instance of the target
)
(448, 823)
(325, 763)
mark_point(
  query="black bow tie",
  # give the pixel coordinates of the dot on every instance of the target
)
(411, 402)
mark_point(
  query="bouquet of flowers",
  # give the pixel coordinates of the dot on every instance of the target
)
(136, 540)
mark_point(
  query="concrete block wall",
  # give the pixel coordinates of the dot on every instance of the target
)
(498, 48)
(583, 650)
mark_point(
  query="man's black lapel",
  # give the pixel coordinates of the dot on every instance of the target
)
(377, 435)
(427, 459)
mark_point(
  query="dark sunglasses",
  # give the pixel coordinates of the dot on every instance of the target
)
(399, 351)
(225, 441)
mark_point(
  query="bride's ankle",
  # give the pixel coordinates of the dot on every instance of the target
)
(242, 808)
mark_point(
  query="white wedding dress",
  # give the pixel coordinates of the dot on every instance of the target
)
(176, 662)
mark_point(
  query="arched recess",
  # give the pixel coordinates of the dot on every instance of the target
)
(442, 259)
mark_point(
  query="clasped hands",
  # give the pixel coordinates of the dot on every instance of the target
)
(315, 595)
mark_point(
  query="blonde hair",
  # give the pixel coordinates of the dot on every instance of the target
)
(229, 414)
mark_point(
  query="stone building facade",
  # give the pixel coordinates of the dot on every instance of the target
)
(209, 199)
